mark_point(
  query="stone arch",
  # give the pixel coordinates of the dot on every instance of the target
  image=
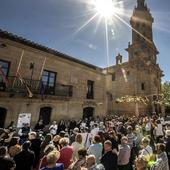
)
(7, 117)
(88, 112)
(3, 114)
(45, 112)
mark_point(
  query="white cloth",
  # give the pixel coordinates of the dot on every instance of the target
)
(91, 123)
(76, 146)
(94, 131)
(146, 153)
(53, 129)
(83, 125)
(159, 130)
(148, 126)
(86, 139)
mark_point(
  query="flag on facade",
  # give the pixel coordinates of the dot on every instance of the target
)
(18, 75)
(42, 89)
(4, 77)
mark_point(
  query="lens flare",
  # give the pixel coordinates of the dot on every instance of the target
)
(104, 7)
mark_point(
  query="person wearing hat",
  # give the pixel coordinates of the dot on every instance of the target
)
(167, 144)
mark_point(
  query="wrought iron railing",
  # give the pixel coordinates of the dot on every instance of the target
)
(14, 85)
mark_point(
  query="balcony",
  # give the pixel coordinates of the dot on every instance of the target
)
(15, 86)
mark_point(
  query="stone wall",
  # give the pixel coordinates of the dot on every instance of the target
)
(68, 73)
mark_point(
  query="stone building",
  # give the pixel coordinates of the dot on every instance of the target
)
(51, 85)
(140, 75)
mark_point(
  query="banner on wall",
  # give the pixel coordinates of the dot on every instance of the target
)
(23, 118)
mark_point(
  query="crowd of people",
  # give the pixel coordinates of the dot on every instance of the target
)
(109, 143)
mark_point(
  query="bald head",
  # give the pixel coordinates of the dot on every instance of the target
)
(91, 160)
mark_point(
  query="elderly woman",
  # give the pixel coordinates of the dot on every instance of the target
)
(52, 158)
(78, 144)
(43, 162)
(66, 152)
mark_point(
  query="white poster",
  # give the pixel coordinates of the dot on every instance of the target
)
(23, 118)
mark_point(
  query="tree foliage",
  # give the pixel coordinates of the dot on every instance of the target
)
(164, 97)
(133, 99)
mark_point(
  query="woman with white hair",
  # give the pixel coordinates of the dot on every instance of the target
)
(66, 152)
(78, 144)
(52, 158)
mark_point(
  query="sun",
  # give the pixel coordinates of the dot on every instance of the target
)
(105, 8)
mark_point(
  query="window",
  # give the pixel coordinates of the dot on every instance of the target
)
(5, 66)
(137, 25)
(143, 86)
(45, 115)
(4, 70)
(113, 76)
(137, 37)
(49, 81)
(143, 25)
(90, 89)
(136, 53)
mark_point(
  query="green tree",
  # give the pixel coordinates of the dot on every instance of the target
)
(164, 97)
(137, 100)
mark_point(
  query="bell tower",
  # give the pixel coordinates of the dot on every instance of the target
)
(142, 48)
(143, 55)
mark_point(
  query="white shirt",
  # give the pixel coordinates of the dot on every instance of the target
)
(76, 146)
(83, 124)
(53, 129)
(86, 139)
(94, 131)
(159, 130)
(148, 126)
(146, 153)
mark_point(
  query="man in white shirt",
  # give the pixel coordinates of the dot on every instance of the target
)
(53, 128)
(95, 130)
(148, 127)
(158, 131)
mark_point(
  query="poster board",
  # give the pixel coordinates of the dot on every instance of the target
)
(23, 118)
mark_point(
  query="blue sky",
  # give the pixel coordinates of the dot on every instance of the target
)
(59, 24)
